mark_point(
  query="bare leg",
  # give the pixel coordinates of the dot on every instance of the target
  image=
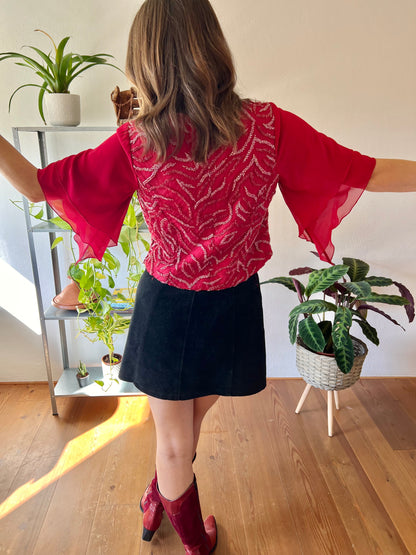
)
(178, 425)
(175, 440)
(201, 407)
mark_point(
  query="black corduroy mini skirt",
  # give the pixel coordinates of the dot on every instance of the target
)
(184, 344)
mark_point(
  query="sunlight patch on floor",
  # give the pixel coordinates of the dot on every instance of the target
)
(129, 413)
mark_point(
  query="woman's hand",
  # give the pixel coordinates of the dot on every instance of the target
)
(19, 172)
(393, 176)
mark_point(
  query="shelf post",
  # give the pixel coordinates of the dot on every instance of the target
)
(36, 280)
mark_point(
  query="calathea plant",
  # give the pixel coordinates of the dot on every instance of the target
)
(323, 325)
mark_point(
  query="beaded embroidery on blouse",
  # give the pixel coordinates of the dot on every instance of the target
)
(209, 221)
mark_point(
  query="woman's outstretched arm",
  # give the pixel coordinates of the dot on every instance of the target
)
(393, 176)
(19, 172)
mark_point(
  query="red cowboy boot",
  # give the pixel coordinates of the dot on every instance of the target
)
(198, 537)
(152, 509)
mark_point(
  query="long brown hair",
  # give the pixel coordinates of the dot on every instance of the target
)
(180, 62)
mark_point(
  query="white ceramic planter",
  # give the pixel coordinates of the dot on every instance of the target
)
(63, 109)
(110, 372)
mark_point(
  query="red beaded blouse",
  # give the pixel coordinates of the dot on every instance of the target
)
(209, 221)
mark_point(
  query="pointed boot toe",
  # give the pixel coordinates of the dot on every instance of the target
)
(210, 526)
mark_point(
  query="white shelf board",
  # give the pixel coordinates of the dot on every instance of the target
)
(62, 129)
(48, 227)
(68, 385)
(53, 313)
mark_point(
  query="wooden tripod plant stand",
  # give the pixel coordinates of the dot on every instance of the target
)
(330, 400)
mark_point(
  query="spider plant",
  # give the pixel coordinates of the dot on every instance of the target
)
(56, 69)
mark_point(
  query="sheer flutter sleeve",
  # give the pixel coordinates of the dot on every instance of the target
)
(92, 191)
(319, 179)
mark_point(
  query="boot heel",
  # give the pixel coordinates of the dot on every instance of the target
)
(147, 535)
(152, 509)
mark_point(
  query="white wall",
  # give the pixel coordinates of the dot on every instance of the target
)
(346, 67)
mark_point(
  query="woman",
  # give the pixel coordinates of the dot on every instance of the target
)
(206, 165)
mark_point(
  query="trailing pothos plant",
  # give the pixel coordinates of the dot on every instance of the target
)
(103, 320)
(324, 324)
(97, 280)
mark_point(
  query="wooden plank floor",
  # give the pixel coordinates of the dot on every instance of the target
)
(275, 481)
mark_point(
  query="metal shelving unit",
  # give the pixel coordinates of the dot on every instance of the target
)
(67, 384)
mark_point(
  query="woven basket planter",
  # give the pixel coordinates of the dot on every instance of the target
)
(321, 370)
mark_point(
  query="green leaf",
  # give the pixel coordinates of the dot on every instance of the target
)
(127, 234)
(86, 282)
(111, 260)
(314, 306)
(341, 327)
(60, 50)
(100, 382)
(319, 280)
(102, 62)
(147, 247)
(357, 268)
(111, 282)
(40, 101)
(375, 281)
(312, 335)
(360, 289)
(387, 299)
(76, 273)
(130, 218)
(125, 246)
(344, 355)
(33, 64)
(18, 89)
(56, 242)
(286, 281)
(293, 326)
(44, 57)
(59, 222)
(368, 331)
(64, 70)
(39, 215)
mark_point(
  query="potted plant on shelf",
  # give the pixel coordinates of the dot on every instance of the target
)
(92, 288)
(96, 282)
(57, 71)
(327, 355)
(83, 376)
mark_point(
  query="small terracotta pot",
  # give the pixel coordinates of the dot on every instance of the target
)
(68, 297)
